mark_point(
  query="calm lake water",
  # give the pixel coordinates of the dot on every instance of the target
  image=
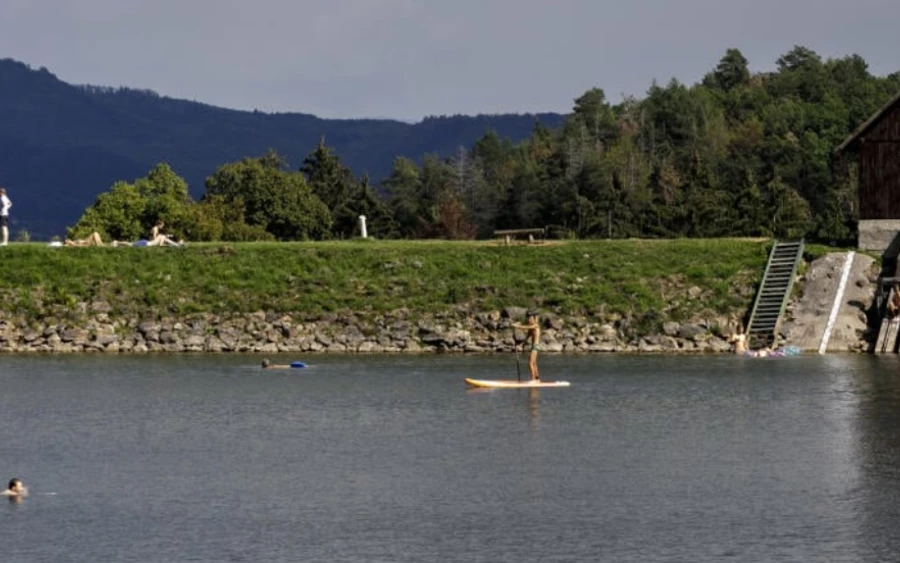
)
(369, 459)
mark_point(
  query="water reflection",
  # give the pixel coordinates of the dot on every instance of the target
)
(534, 409)
(878, 446)
(532, 400)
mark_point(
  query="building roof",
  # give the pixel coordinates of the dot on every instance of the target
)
(862, 129)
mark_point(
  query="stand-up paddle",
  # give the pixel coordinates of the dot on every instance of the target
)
(518, 369)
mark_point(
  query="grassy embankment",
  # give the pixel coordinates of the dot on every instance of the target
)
(637, 279)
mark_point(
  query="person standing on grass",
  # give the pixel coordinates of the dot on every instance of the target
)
(5, 204)
(534, 337)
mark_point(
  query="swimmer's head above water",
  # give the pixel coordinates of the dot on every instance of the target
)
(16, 488)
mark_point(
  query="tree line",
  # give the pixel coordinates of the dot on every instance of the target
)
(737, 154)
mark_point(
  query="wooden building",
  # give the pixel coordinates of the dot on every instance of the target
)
(877, 145)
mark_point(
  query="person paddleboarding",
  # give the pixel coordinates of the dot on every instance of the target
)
(533, 338)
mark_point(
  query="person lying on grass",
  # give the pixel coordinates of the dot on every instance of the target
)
(159, 240)
(92, 240)
(96, 240)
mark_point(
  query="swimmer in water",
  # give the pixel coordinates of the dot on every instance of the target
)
(266, 364)
(15, 490)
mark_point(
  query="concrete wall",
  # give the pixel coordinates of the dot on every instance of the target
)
(878, 235)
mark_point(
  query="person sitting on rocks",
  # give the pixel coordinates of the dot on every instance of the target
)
(893, 306)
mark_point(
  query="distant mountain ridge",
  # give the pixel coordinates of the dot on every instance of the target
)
(61, 144)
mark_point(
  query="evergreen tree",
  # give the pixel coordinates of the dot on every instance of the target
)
(732, 71)
(335, 186)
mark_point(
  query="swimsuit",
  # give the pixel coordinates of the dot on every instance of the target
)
(535, 347)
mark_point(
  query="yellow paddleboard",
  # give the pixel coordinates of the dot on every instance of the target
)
(513, 383)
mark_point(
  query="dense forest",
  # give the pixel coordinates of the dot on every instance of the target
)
(737, 154)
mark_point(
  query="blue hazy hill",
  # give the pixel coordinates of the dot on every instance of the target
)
(62, 144)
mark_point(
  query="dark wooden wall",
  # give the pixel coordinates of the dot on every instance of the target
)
(879, 168)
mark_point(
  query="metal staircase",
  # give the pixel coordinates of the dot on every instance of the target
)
(774, 292)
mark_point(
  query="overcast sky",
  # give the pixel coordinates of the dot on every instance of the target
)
(411, 58)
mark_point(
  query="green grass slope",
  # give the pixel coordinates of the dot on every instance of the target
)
(648, 281)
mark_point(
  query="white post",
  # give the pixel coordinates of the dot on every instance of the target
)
(362, 226)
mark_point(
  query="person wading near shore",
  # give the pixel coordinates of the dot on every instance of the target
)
(534, 338)
(5, 204)
(739, 339)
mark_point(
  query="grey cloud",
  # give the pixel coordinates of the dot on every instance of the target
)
(410, 58)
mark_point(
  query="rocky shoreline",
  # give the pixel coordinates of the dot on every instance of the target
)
(400, 332)
(95, 328)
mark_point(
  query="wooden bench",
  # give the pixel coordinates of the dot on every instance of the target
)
(509, 234)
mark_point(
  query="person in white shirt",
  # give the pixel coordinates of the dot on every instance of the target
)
(5, 204)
